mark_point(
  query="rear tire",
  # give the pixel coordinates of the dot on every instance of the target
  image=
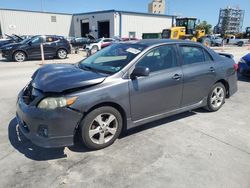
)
(94, 49)
(62, 54)
(19, 56)
(240, 44)
(216, 97)
(101, 127)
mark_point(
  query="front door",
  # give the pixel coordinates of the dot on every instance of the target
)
(33, 48)
(199, 74)
(161, 91)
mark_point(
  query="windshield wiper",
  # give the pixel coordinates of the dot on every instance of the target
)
(85, 67)
(89, 68)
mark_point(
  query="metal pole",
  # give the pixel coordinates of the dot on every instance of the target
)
(42, 9)
(42, 53)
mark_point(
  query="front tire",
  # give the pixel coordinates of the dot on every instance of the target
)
(62, 54)
(19, 56)
(101, 127)
(216, 97)
(94, 49)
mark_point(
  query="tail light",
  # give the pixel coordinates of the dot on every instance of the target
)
(236, 66)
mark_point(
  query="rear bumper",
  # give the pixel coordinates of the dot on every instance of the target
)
(48, 129)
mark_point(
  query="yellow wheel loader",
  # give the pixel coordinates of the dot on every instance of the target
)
(185, 29)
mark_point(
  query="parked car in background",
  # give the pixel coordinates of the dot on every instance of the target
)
(234, 41)
(120, 87)
(215, 40)
(10, 39)
(244, 65)
(54, 46)
(81, 42)
(128, 39)
(99, 44)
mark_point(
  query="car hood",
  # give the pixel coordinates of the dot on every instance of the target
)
(13, 45)
(59, 78)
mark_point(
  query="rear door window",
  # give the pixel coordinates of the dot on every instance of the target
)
(192, 54)
(51, 39)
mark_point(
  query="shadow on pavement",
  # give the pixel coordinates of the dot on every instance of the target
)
(26, 147)
(158, 123)
(243, 78)
(31, 151)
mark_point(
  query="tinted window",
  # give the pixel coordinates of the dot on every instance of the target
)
(192, 55)
(36, 40)
(107, 40)
(207, 56)
(160, 58)
(51, 38)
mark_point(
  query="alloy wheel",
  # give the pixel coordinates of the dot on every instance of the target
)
(103, 128)
(62, 54)
(217, 97)
(20, 56)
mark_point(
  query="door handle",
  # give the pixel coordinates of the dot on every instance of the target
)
(212, 69)
(176, 77)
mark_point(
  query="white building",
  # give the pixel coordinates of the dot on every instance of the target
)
(24, 22)
(108, 23)
(120, 23)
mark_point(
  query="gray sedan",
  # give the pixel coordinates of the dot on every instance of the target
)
(120, 87)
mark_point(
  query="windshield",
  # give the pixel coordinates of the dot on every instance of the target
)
(113, 58)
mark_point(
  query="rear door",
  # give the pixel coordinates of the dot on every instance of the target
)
(50, 46)
(161, 91)
(199, 73)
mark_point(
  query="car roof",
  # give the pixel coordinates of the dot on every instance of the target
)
(152, 42)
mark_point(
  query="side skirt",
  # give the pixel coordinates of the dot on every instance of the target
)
(133, 124)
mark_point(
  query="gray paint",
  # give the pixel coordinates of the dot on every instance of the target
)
(150, 98)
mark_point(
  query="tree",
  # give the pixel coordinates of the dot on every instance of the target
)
(206, 26)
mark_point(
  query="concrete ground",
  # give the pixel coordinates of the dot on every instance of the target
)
(192, 149)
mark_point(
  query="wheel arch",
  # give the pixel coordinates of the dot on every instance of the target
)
(62, 48)
(26, 54)
(115, 106)
(226, 85)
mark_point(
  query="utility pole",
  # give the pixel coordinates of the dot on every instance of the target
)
(42, 5)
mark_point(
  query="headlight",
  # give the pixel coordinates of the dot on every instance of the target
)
(242, 61)
(8, 48)
(51, 103)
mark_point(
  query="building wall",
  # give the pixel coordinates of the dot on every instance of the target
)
(93, 20)
(34, 23)
(144, 24)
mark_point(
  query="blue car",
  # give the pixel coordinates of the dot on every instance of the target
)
(244, 65)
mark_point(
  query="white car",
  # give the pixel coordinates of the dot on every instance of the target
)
(99, 44)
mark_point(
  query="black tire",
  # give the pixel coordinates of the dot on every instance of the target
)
(94, 49)
(19, 56)
(89, 123)
(240, 44)
(62, 53)
(206, 42)
(220, 99)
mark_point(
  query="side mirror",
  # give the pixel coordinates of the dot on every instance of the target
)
(30, 43)
(140, 71)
